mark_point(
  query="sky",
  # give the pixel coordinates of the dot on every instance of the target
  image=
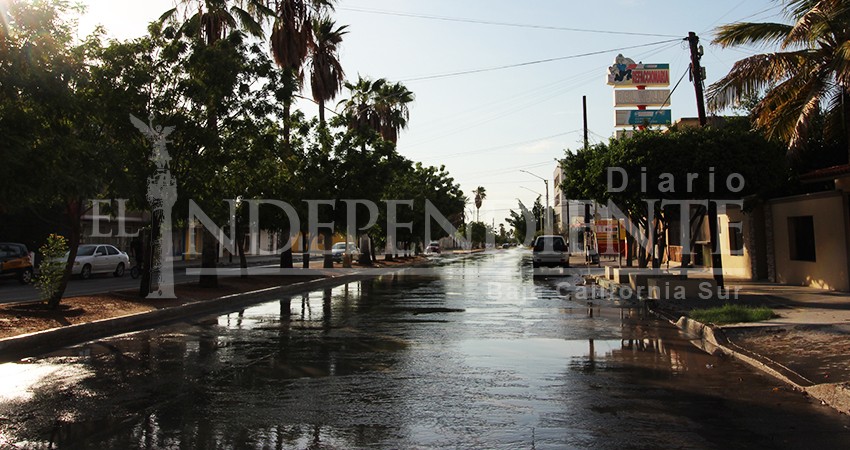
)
(487, 126)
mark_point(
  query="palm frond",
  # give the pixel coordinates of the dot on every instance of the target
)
(744, 33)
(248, 22)
(168, 15)
(754, 74)
(840, 63)
(812, 26)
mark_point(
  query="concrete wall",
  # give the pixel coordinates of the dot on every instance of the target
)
(740, 265)
(830, 268)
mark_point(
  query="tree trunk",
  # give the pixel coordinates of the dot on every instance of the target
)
(73, 211)
(145, 261)
(328, 257)
(243, 260)
(365, 250)
(716, 257)
(208, 260)
(305, 248)
(286, 254)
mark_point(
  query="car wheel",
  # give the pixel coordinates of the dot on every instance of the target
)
(134, 272)
(26, 276)
(86, 272)
(119, 272)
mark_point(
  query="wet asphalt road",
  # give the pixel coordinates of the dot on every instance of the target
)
(478, 355)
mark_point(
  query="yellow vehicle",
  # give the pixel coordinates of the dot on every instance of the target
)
(15, 261)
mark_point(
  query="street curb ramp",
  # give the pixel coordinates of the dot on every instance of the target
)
(17, 347)
(714, 341)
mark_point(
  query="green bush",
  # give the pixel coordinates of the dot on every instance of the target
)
(52, 266)
(732, 314)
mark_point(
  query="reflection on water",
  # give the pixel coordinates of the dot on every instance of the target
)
(459, 360)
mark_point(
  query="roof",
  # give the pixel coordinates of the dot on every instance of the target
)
(826, 174)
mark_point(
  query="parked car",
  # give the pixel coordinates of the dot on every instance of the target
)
(339, 248)
(433, 247)
(99, 258)
(550, 250)
(15, 262)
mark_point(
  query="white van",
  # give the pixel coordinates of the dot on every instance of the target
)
(550, 250)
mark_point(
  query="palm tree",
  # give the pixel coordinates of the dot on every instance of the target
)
(808, 77)
(359, 109)
(480, 195)
(326, 78)
(392, 108)
(291, 38)
(378, 106)
(211, 21)
(214, 19)
(326, 74)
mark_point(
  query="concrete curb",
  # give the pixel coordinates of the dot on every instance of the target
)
(714, 341)
(17, 347)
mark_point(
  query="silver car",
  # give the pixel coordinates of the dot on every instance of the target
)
(340, 248)
(99, 258)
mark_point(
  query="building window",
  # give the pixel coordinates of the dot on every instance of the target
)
(801, 238)
(736, 238)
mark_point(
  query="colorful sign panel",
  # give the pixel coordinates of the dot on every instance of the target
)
(642, 97)
(626, 73)
(609, 237)
(643, 117)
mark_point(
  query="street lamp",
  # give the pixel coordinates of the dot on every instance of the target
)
(546, 220)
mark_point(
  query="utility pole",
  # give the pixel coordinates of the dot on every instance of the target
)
(584, 110)
(696, 75)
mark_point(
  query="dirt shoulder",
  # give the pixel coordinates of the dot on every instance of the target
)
(26, 318)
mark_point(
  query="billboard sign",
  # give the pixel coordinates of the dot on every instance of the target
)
(643, 117)
(643, 97)
(626, 73)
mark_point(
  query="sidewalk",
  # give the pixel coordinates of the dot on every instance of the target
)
(807, 344)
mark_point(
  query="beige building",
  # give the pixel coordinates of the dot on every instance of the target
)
(800, 240)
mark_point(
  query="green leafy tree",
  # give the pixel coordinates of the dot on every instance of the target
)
(519, 224)
(52, 268)
(730, 149)
(58, 105)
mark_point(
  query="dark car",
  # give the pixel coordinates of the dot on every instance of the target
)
(15, 262)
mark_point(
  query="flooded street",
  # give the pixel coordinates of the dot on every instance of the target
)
(477, 355)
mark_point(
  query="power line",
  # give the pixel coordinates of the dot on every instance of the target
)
(530, 141)
(502, 24)
(539, 61)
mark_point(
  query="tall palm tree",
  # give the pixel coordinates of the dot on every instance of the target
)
(326, 78)
(480, 195)
(807, 77)
(326, 74)
(290, 41)
(211, 21)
